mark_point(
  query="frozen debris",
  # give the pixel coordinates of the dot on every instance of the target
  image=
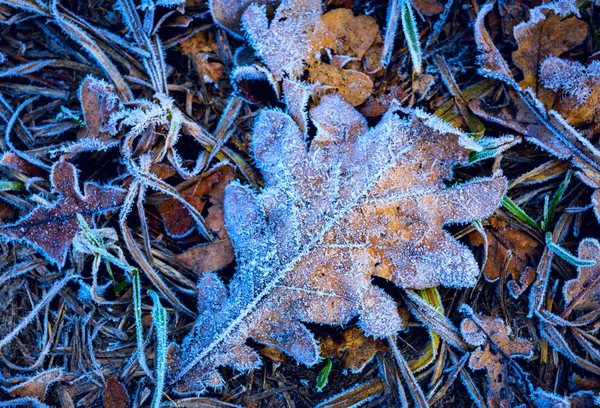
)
(359, 202)
(52, 229)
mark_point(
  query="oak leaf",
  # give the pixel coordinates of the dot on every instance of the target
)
(358, 203)
(51, 229)
(547, 33)
(583, 292)
(354, 349)
(494, 350)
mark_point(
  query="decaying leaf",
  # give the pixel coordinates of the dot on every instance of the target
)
(503, 238)
(115, 395)
(495, 348)
(580, 399)
(360, 202)
(51, 229)
(547, 33)
(292, 44)
(578, 87)
(293, 37)
(229, 13)
(205, 194)
(354, 349)
(583, 292)
(36, 386)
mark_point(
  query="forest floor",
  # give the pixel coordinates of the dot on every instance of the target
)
(194, 212)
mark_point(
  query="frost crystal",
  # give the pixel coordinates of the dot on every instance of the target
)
(358, 203)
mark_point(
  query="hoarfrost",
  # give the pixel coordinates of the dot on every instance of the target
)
(359, 202)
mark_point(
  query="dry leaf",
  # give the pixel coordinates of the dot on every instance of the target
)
(354, 35)
(355, 87)
(98, 102)
(503, 238)
(354, 349)
(11, 161)
(358, 203)
(578, 87)
(545, 34)
(208, 257)
(292, 39)
(36, 386)
(51, 229)
(228, 13)
(429, 7)
(583, 292)
(115, 395)
(495, 348)
(207, 194)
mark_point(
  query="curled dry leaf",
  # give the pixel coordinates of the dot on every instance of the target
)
(583, 292)
(206, 194)
(495, 348)
(360, 202)
(36, 386)
(354, 349)
(11, 161)
(51, 229)
(503, 238)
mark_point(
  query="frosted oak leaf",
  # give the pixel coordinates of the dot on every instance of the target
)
(358, 203)
(52, 228)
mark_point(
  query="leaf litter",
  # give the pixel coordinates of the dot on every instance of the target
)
(324, 217)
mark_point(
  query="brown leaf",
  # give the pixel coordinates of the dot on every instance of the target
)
(354, 349)
(291, 39)
(355, 87)
(495, 348)
(37, 386)
(99, 102)
(205, 194)
(503, 238)
(115, 395)
(208, 257)
(354, 35)
(359, 202)
(229, 13)
(20, 165)
(429, 7)
(51, 229)
(583, 292)
(578, 88)
(545, 34)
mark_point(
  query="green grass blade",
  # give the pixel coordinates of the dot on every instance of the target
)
(566, 255)
(409, 26)
(515, 210)
(159, 317)
(324, 375)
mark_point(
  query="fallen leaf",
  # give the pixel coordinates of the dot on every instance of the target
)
(354, 349)
(11, 161)
(292, 38)
(578, 87)
(354, 34)
(36, 386)
(355, 87)
(583, 292)
(115, 395)
(208, 257)
(503, 238)
(545, 34)
(357, 203)
(51, 229)
(495, 349)
(429, 7)
(229, 13)
(98, 102)
(206, 194)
